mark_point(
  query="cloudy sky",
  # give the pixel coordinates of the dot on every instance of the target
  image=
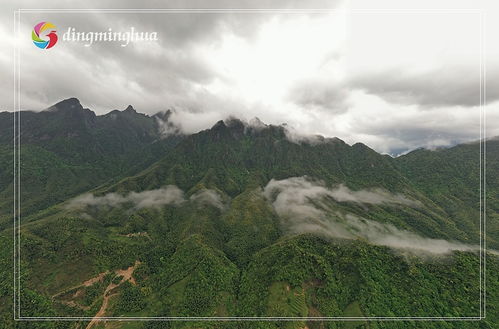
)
(394, 76)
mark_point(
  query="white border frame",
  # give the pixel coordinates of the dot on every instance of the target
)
(17, 170)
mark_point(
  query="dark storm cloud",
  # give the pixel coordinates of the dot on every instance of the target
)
(167, 74)
(441, 87)
(177, 72)
(409, 130)
(437, 88)
(102, 74)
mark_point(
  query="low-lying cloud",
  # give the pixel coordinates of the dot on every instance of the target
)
(301, 205)
(297, 137)
(298, 190)
(208, 197)
(165, 126)
(168, 195)
(349, 226)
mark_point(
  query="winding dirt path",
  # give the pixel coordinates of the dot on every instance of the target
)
(127, 276)
(87, 283)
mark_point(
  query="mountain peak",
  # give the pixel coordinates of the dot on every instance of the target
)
(130, 108)
(71, 110)
(70, 101)
(67, 104)
(219, 125)
(163, 115)
(233, 122)
(257, 123)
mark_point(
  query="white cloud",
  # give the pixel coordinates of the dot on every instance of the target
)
(371, 77)
(302, 207)
(298, 190)
(169, 195)
(208, 197)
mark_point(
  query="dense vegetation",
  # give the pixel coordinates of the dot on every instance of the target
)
(231, 256)
(66, 150)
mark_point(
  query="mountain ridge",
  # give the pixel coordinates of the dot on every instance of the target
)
(243, 219)
(73, 104)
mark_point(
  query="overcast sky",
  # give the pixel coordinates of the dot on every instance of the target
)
(394, 78)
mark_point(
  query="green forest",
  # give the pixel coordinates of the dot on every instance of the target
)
(238, 221)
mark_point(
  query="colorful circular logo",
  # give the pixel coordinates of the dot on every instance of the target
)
(38, 41)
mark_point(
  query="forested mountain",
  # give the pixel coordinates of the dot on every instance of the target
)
(242, 219)
(67, 149)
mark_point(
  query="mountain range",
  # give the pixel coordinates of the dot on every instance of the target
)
(124, 215)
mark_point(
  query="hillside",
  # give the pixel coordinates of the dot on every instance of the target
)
(67, 149)
(243, 220)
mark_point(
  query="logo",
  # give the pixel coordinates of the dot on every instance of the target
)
(37, 39)
(122, 37)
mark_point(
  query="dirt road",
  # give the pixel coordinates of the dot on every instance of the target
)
(126, 276)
